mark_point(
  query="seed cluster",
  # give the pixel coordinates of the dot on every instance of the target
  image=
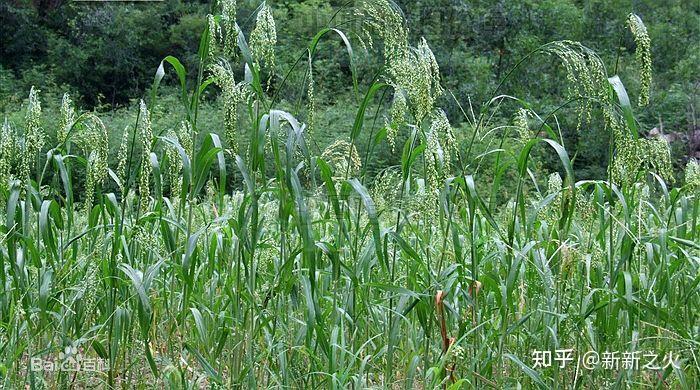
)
(94, 140)
(122, 161)
(67, 118)
(522, 128)
(233, 94)
(228, 21)
(643, 56)
(554, 187)
(634, 155)
(214, 35)
(223, 31)
(263, 39)
(411, 70)
(184, 135)
(398, 111)
(433, 158)
(585, 74)
(311, 102)
(416, 72)
(7, 152)
(692, 175)
(343, 157)
(34, 137)
(146, 141)
(386, 189)
(441, 128)
(174, 167)
(380, 17)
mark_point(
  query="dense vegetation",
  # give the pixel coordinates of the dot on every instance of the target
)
(300, 205)
(103, 54)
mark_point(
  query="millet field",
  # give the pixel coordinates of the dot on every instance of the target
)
(259, 254)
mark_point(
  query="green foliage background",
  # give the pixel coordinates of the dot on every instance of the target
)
(105, 54)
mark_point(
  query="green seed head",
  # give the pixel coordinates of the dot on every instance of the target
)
(434, 158)
(184, 136)
(94, 140)
(585, 74)
(383, 19)
(67, 118)
(386, 189)
(441, 128)
(398, 117)
(214, 35)
(228, 21)
(146, 140)
(122, 160)
(233, 94)
(692, 175)
(554, 184)
(635, 155)
(344, 158)
(522, 128)
(412, 70)
(7, 152)
(33, 134)
(174, 167)
(643, 55)
(416, 72)
(311, 102)
(263, 39)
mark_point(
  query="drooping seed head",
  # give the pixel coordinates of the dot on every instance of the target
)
(440, 127)
(89, 288)
(233, 94)
(585, 207)
(633, 156)
(386, 189)
(228, 21)
(381, 18)
(416, 72)
(643, 56)
(343, 157)
(214, 35)
(434, 160)
(398, 111)
(412, 70)
(89, 190)
(585, 74)
(263, 39)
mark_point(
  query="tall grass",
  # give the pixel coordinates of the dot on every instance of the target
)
(311, 273)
